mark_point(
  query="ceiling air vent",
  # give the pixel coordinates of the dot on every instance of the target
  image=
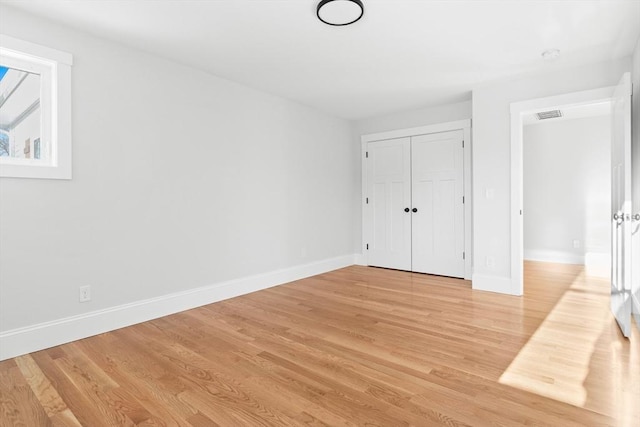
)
(553, 114)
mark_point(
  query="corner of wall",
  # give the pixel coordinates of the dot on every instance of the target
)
(496, 284)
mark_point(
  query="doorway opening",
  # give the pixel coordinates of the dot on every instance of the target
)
(584, 101)
(567, 187)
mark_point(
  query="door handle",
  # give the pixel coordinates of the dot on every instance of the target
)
(618, 217)
(635, 217)
(406, 209)
(414, 210)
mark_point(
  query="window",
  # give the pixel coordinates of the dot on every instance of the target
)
(35, 110)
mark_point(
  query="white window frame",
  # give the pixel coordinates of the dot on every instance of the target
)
(54, 67)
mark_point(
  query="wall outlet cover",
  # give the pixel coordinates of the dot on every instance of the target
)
(84, 293)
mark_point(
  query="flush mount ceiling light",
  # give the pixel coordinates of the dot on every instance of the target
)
(550, 54)
(339, 12)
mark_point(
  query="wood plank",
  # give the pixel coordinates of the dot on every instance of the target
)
(18, 404)
(44, 391)
(355, 346)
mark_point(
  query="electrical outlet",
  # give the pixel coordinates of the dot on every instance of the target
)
(85, 293)
(490, 262)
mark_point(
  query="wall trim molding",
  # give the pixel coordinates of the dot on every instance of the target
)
(36, 337)
(420, 130)
(360, 259)
(560, 257)
(499, 284)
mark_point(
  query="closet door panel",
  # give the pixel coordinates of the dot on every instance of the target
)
(389, 181)
(424, 196)
(438, 222)
(448, 222)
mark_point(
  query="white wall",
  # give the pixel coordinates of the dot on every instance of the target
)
(401, 120)
(181, 179)
(567, 191)
(491, 158)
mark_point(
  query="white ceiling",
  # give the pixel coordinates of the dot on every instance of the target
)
(401, 55)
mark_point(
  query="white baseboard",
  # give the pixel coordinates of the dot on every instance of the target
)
(499, 284)
(553, 256)
(360, 259)
(48, 334)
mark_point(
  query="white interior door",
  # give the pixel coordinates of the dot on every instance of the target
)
(389, 181)
(437, 204)
(621, 205)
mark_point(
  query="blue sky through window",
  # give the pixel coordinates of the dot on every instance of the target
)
(3, 71)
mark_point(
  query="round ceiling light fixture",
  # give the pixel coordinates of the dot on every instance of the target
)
(339, 12)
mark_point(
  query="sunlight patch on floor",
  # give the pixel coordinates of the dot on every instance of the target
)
(555, 361)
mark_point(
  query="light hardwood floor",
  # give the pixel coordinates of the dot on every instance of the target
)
(357, 346)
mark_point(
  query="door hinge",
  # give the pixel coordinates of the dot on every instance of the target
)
(367, 154)
(367, 246)
(462, 199)
(463, 143)
(463, 255)
(367, 200)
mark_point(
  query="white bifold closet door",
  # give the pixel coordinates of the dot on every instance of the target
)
(437, 204)
(416, 210)
(389, 178)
